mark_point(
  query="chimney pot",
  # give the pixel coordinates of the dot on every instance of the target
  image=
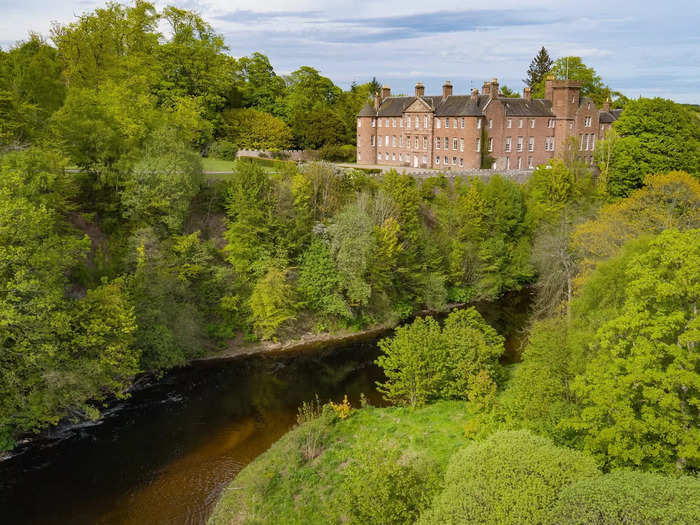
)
(475, 95)
(420, 90)
(446, 90)
(527, 94)
(494, 88)
(606, 104)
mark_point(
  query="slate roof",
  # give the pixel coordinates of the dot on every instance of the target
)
(459, 106)
(367, 111)
(608, 117)
(519, 107)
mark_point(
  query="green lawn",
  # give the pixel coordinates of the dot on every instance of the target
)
(211, 164)
(283, 486)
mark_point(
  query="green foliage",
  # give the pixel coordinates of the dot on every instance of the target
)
(655, 136)
(163, 183)
(424, 362)
(337, 153)
(224, 150)
(511, 477)
(253, 129)
(319, 282)
(540, 66)
(61, 351)
(639, 395)
(283, 486)
(628, 497)
(573, 68)
(383, 486)
(272, 303)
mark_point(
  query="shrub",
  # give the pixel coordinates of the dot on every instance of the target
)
(223, 149)
(629, 497)
(512, 477)
(337, 153)
(383, 486)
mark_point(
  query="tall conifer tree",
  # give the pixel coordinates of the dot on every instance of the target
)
(539, 67)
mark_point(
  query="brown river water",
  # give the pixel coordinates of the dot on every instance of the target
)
(164, 455)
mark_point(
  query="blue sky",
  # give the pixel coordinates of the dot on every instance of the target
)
(649, 48)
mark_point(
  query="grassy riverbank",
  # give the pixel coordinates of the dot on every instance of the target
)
(284, 485)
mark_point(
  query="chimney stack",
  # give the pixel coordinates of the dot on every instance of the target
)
(527, 95)
(475, 95)
(420, 90)
(606, 104)
(494, 88)
(486, 88)
(386, 92)
(376, 102)
(446, 90)
(549, 87)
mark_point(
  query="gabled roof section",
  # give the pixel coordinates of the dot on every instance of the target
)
(520, 107)
(394, 106)
(367, 111)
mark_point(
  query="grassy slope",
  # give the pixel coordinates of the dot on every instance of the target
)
(281, 486)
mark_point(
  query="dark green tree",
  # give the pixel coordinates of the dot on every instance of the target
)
(540, 66)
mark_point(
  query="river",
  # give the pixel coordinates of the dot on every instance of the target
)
(164, 455)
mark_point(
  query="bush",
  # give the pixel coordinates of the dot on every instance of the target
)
(337, 153)
(223, 149)
(512, 477)
(384, 486)
(629, 497)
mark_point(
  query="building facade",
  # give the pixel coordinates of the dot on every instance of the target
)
(463, 131)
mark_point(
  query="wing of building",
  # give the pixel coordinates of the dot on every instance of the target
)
(465, 131)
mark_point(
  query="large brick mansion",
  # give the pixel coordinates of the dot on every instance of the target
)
(451, 131)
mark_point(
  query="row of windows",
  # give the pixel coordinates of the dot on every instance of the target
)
(401, 157)
(509, 123)
(446, 141)
(519, 144)
(447, 161)
(438, 122)
(519, 163)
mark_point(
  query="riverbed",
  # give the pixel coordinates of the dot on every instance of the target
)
(165, 454)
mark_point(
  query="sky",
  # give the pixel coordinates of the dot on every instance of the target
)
(640, 48)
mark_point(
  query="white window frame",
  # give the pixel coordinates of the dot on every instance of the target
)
(438, 123)
(532, 123)
(446, 143)
(374, 122)
(447, 122)
(461, 123)
(531, 144)
(520, 123)
(386, 141)
(438, 140)
(509, 123)
(425, 142)
(519, 144)
(529, 162)
(508, 145)
(437, 160)
(454, 143)
(478, 144)
(478, 123)
(372, 141)
(490, 144)
(461, 144)
(490, 123)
